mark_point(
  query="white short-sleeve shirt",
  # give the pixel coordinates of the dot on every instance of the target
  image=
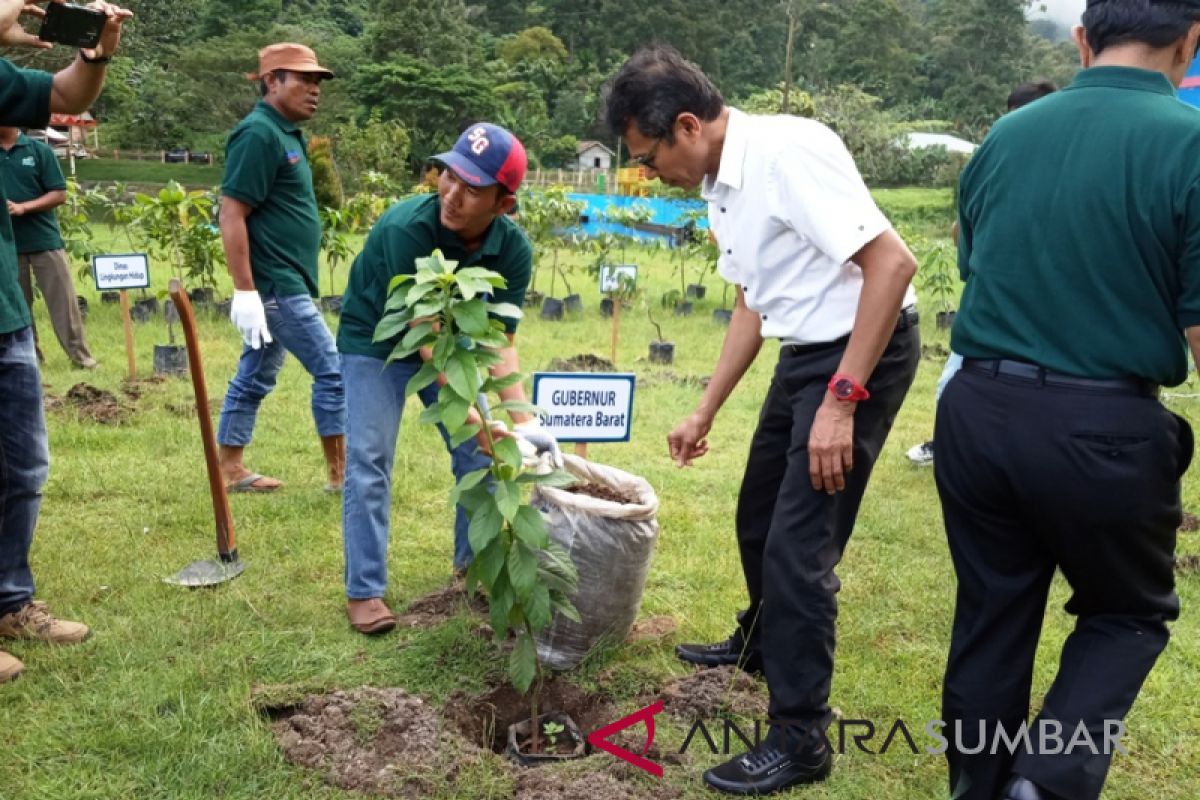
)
(789, 209)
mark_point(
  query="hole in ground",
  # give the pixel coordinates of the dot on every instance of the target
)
(484, 719)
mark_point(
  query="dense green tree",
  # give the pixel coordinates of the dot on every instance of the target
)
(222, 17)
(433, 103)
(437, 32)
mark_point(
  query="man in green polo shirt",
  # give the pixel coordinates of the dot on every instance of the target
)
(467, 221)
(27, 97)
(272, 238)
(35, 187)
(1080, 247)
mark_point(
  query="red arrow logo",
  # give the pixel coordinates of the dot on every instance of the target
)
(599, 738)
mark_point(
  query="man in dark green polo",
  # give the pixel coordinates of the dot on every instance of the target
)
(1080, 247)
(467, 221)
(27, 97)
(35, 186)
(272, 237)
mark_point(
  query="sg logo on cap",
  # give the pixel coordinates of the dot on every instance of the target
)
(479, 141)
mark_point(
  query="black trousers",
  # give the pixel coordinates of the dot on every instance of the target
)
(791, 536)
(1034, 477)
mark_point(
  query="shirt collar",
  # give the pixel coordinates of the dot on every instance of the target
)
(493, 238)
(285, 124)
(1124, 78)
(733, 153)
(22, 141)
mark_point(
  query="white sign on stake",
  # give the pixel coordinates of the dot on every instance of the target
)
(613, 275)
(125, 271)
(584, 406)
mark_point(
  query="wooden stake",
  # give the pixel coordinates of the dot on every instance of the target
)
(581, 449)
(616, 321)
(128, 334)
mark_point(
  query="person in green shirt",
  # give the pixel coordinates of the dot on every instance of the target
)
(1079, 244)
(272, 237)
(467, 220)
(27, 97)
(35, 187)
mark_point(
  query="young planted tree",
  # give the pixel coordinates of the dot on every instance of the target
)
(526, 577)
(544, 215)
(337, 225)
(179, 226)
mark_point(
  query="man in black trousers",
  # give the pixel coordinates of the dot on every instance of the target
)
(1080, 248)
(817, 266)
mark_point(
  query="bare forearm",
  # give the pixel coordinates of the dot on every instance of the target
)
(516, 392)
(235, 238)
(76, 87)
(742, 343)
(886, 277)
(47, 202)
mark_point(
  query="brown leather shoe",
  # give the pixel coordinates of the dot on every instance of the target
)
(10, 667)
(370, 616)
(34, 621)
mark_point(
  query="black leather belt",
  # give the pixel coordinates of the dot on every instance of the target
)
(909, 318)
(1032, 373)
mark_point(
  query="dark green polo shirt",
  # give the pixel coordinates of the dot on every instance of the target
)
(1080, 231)
(31, 170)
(409, 230)
(266, 167)
(25, 103)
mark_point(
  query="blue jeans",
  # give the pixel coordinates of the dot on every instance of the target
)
(24, 464)
(296, 327)
(374, 405)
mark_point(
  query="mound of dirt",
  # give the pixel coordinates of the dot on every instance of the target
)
(711, 692)
(379, 741)
(1186, 565)
(652, 629)
(584, 362)
(431, 610)
(96, 405)
(1190, 524)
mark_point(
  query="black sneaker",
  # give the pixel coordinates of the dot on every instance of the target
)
(734, 650)
(768, 769)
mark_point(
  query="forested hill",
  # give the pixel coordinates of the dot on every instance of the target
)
(431, 65)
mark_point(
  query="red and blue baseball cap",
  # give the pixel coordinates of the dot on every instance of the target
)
(486, 154)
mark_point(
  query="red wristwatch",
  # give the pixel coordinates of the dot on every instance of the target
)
(847, 390)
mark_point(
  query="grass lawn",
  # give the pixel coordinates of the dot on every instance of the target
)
(196, 176)
(158, 703)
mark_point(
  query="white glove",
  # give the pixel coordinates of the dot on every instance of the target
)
(527, 450)
(250, 318)
(543, 441)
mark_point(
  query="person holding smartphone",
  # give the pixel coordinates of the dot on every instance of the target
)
(27, 98)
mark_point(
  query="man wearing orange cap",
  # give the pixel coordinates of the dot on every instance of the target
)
(272, 237)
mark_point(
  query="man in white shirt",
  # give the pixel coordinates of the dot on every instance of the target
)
(817, 266)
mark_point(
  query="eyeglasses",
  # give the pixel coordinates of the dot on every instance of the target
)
(647, 160)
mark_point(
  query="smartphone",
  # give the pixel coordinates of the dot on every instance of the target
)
(72, 25)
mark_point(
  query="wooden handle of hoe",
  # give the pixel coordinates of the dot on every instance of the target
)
(226, 545)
